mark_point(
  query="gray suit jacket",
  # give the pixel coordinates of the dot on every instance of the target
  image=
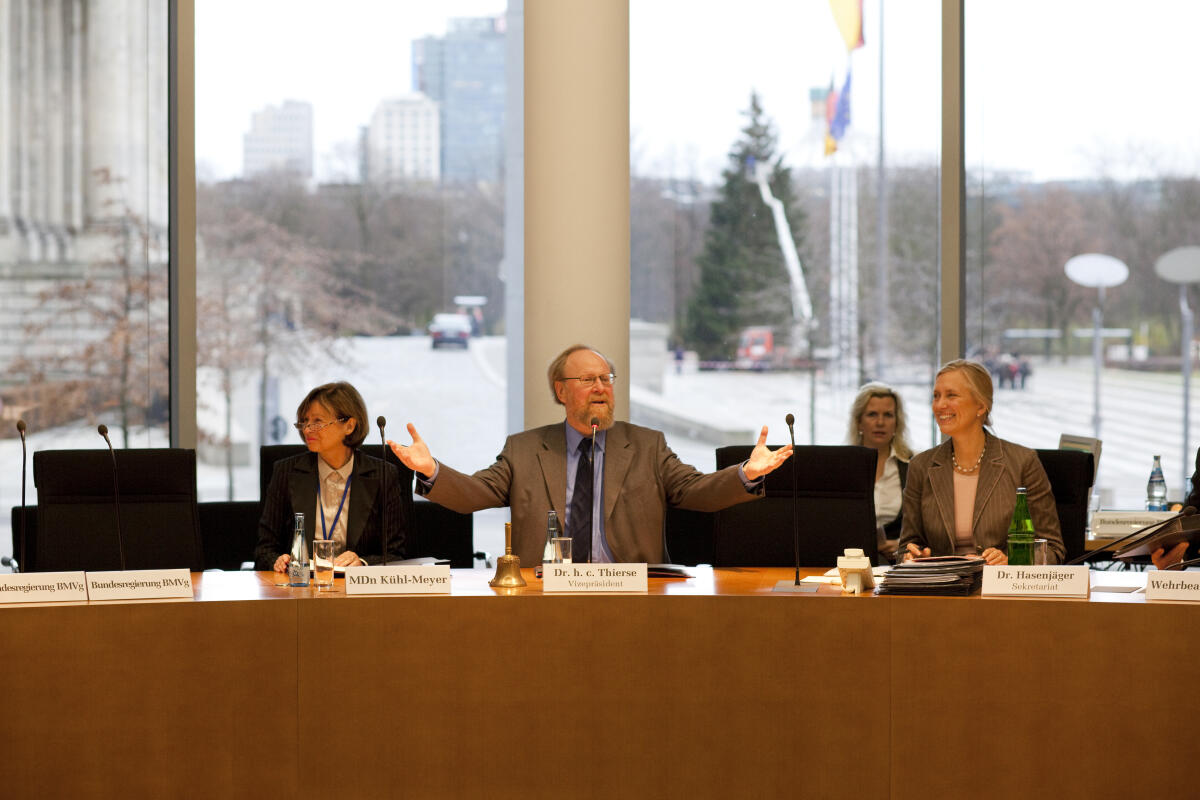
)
(641, 478)
(928, 506)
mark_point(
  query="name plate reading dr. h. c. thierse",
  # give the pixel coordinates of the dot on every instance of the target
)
(139, 584)
(1038, 581)
(424, 579)
(1172, 585)
(42, 587)
(594, 578)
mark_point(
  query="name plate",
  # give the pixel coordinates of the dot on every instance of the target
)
(43, 587)
(1172, 585)
(1040, 581)
(425, 579)
(1122, 523)
(139, 584)
(594, 578)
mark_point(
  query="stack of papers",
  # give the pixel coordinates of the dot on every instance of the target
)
(951, 575)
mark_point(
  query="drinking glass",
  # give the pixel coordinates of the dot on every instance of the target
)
(1041, 551)
(561, 548)
(324, 551)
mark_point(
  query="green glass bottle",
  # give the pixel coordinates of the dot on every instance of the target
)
(1020, 532)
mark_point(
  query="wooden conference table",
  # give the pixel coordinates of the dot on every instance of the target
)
(709, 687)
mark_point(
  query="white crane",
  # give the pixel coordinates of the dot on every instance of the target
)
(802, 313)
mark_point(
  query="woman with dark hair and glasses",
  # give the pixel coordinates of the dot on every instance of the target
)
(340, 490)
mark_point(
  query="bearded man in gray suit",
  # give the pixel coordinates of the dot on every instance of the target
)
(610, 481)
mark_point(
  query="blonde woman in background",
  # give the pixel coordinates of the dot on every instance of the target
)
(877, 421)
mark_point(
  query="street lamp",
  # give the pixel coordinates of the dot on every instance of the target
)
(1097, 271)
(1182, 266)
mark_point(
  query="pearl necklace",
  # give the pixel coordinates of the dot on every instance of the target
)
(967, 470)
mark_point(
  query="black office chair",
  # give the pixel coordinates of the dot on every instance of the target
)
(229, 532)
(836, 506)
(689, 536)
(77, 517)
(1071, 473)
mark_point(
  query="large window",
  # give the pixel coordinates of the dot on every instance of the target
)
(350, 192)
(1085, 144)
(83, 229)
(742, 316)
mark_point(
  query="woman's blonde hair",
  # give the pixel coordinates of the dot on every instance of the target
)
(859, 407)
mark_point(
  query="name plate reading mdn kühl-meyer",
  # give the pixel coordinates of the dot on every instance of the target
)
(42, 587)
(1049, 580)
(1172, 585)
(139, 584)
(594, 578)
(423, 579)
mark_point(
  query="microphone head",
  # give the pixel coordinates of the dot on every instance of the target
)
(21, 426)
(102, 430)
(790, 420)
(380, 421)
(595, 423)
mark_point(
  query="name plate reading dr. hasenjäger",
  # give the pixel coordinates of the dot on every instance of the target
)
(1050, 580)
(594, 578)
(42, 587)
(423, 579)
(1172, 585)
(139, 584)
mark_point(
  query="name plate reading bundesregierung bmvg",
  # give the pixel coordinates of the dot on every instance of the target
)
(43, 587)
(1048, 580)
(424, 579)
(1173, 585)
(139, 584)
(594, 578)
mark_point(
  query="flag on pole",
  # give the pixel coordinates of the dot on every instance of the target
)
(831, 103)
(849, 18)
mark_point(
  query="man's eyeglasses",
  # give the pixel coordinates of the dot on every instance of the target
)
(588, 381)
(316, 426)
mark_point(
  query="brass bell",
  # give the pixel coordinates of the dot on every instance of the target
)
(508, 566)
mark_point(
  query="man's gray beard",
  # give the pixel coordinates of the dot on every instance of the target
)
(605, 419)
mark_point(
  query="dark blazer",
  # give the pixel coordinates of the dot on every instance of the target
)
(641, 478)
(293, 488)
(892, 529)
(928, 506)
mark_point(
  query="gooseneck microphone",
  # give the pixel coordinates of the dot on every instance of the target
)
(21, 565)
(382, 423)
(103, 431)
(1186, 512)
(791, 421)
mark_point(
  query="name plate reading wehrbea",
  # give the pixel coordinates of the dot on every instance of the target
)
(1040, 581)
(42, 587)
(139, 584)
(413, 579)
(594, 578)
(1172, 585)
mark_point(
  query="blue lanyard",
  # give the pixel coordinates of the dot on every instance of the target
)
(325, 534)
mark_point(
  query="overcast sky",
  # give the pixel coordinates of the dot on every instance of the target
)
(1069, 90)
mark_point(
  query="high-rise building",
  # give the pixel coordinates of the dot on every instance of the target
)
(464, 72)
(403, 140)
(280, 139)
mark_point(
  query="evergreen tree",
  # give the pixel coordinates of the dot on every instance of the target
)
(743, 279)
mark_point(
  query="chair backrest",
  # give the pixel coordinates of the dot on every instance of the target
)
(689, 536)
(835, 505)
(1070, 473)
(269, 454)
(77, 515)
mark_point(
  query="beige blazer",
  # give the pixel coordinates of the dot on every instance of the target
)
(928, 507)
(641, 478)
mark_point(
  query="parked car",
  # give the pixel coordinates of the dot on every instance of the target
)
(450, 329)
